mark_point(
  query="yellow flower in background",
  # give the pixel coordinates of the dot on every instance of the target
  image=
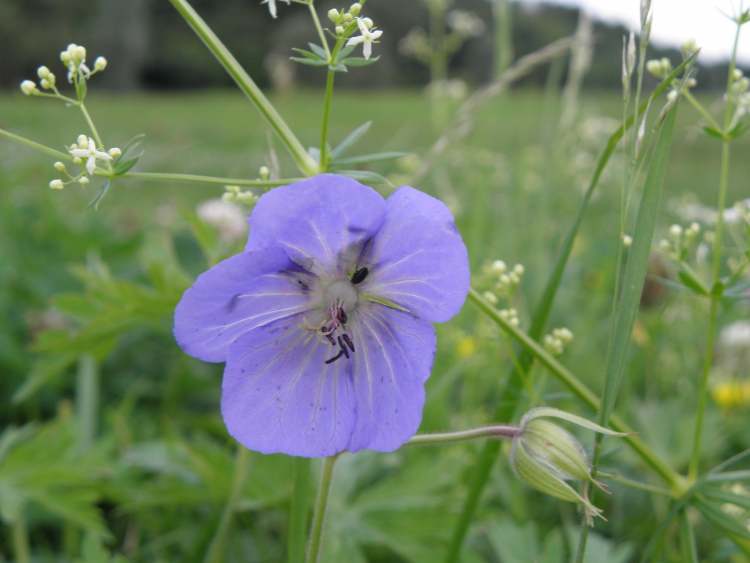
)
(466, 347)
(731, 394)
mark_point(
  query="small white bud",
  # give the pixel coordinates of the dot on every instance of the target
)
(79, 53)
(83, 141)
(339, 30)
(333, 15)
(77, 160)
(499, 267)
(44, 83)
(505, 279)
(59, 166)
(264, 172)
(490, 297)
(736, 74)
(100, 64)
(367, 22)
(42, 72)
(115, 152)
(56, 184)
(627, 241)
(28, 87)
(689, 47)
(665, 245)
(518, 269)
(672, 96)
(675, 231)
(654, 68)
(348, 18)
(355, 9)
(84, 180)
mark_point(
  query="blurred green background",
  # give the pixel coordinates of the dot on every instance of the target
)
(112, 437)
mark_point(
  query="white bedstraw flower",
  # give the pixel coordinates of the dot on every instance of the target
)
(86, 149)
(272, 6)
(28, 87)
(368, 36)
(100, 64)
(627, 241)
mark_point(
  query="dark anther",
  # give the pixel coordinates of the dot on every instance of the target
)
(331, 340)
(341, 314)
(342, 345)
(359, 276)
(348, 341)
(326, 329)
(336, 357)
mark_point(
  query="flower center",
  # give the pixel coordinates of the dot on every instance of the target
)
(340, 299)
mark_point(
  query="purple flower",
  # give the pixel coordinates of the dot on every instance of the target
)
(324, 321)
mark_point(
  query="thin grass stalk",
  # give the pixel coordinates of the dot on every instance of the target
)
(512, 390)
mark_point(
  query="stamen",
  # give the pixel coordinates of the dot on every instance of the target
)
(336, 357)
(341, 316)
(359, 276)
(342, 345)
(348, 341)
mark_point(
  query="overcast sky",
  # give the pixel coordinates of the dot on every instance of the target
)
(676, 21)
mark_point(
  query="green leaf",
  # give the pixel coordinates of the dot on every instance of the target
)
(350, 140)
(691, 282)
(309, 62)
(318, 50)
(713, 132)
(309, 55)
(716, 516)
(687, 539)
(367, 158)
(123, 166)
(359, 61)
(636, 266)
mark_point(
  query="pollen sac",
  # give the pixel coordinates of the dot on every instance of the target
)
(359, 276)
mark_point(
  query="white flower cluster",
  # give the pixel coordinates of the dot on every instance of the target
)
(74, 59)
(86, 154)
(510, 316)
(556, 341)
(659, 68)
(234, 194)
(505, 280)
(466, 24)
(740, 96)
(680, 240)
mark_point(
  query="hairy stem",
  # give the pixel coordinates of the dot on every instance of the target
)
(217, 547)
(319, 515)
(304, 161)
(195, 178)
(498, 431)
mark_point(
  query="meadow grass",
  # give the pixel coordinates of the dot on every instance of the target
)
(515, 185)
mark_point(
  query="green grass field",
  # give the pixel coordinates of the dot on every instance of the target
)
(157, 468)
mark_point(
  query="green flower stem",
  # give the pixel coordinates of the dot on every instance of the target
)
(716, 291)
(319, 28)
(87, 401)
(498, 431)
(321, 503)
(21, 541)
(215, 552)
(90, 122)
(36, 146)
(580, 390)
(195, 178)
(633, 484)
(304, 161)
(298, 511)
(326, 117)
(701, 110)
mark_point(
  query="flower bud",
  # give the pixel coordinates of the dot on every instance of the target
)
(59, 166)
(627, 241)
(355, 9)
(56, 184)
(100, 64)
(28, 87)
(264, 172)
(42, 72)
(115, 152)
(84, 180)
(339, 30)
(333, 15)
(44, 83)
(547, 456)
(348, 18)
(82, 141)
(79, 53)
